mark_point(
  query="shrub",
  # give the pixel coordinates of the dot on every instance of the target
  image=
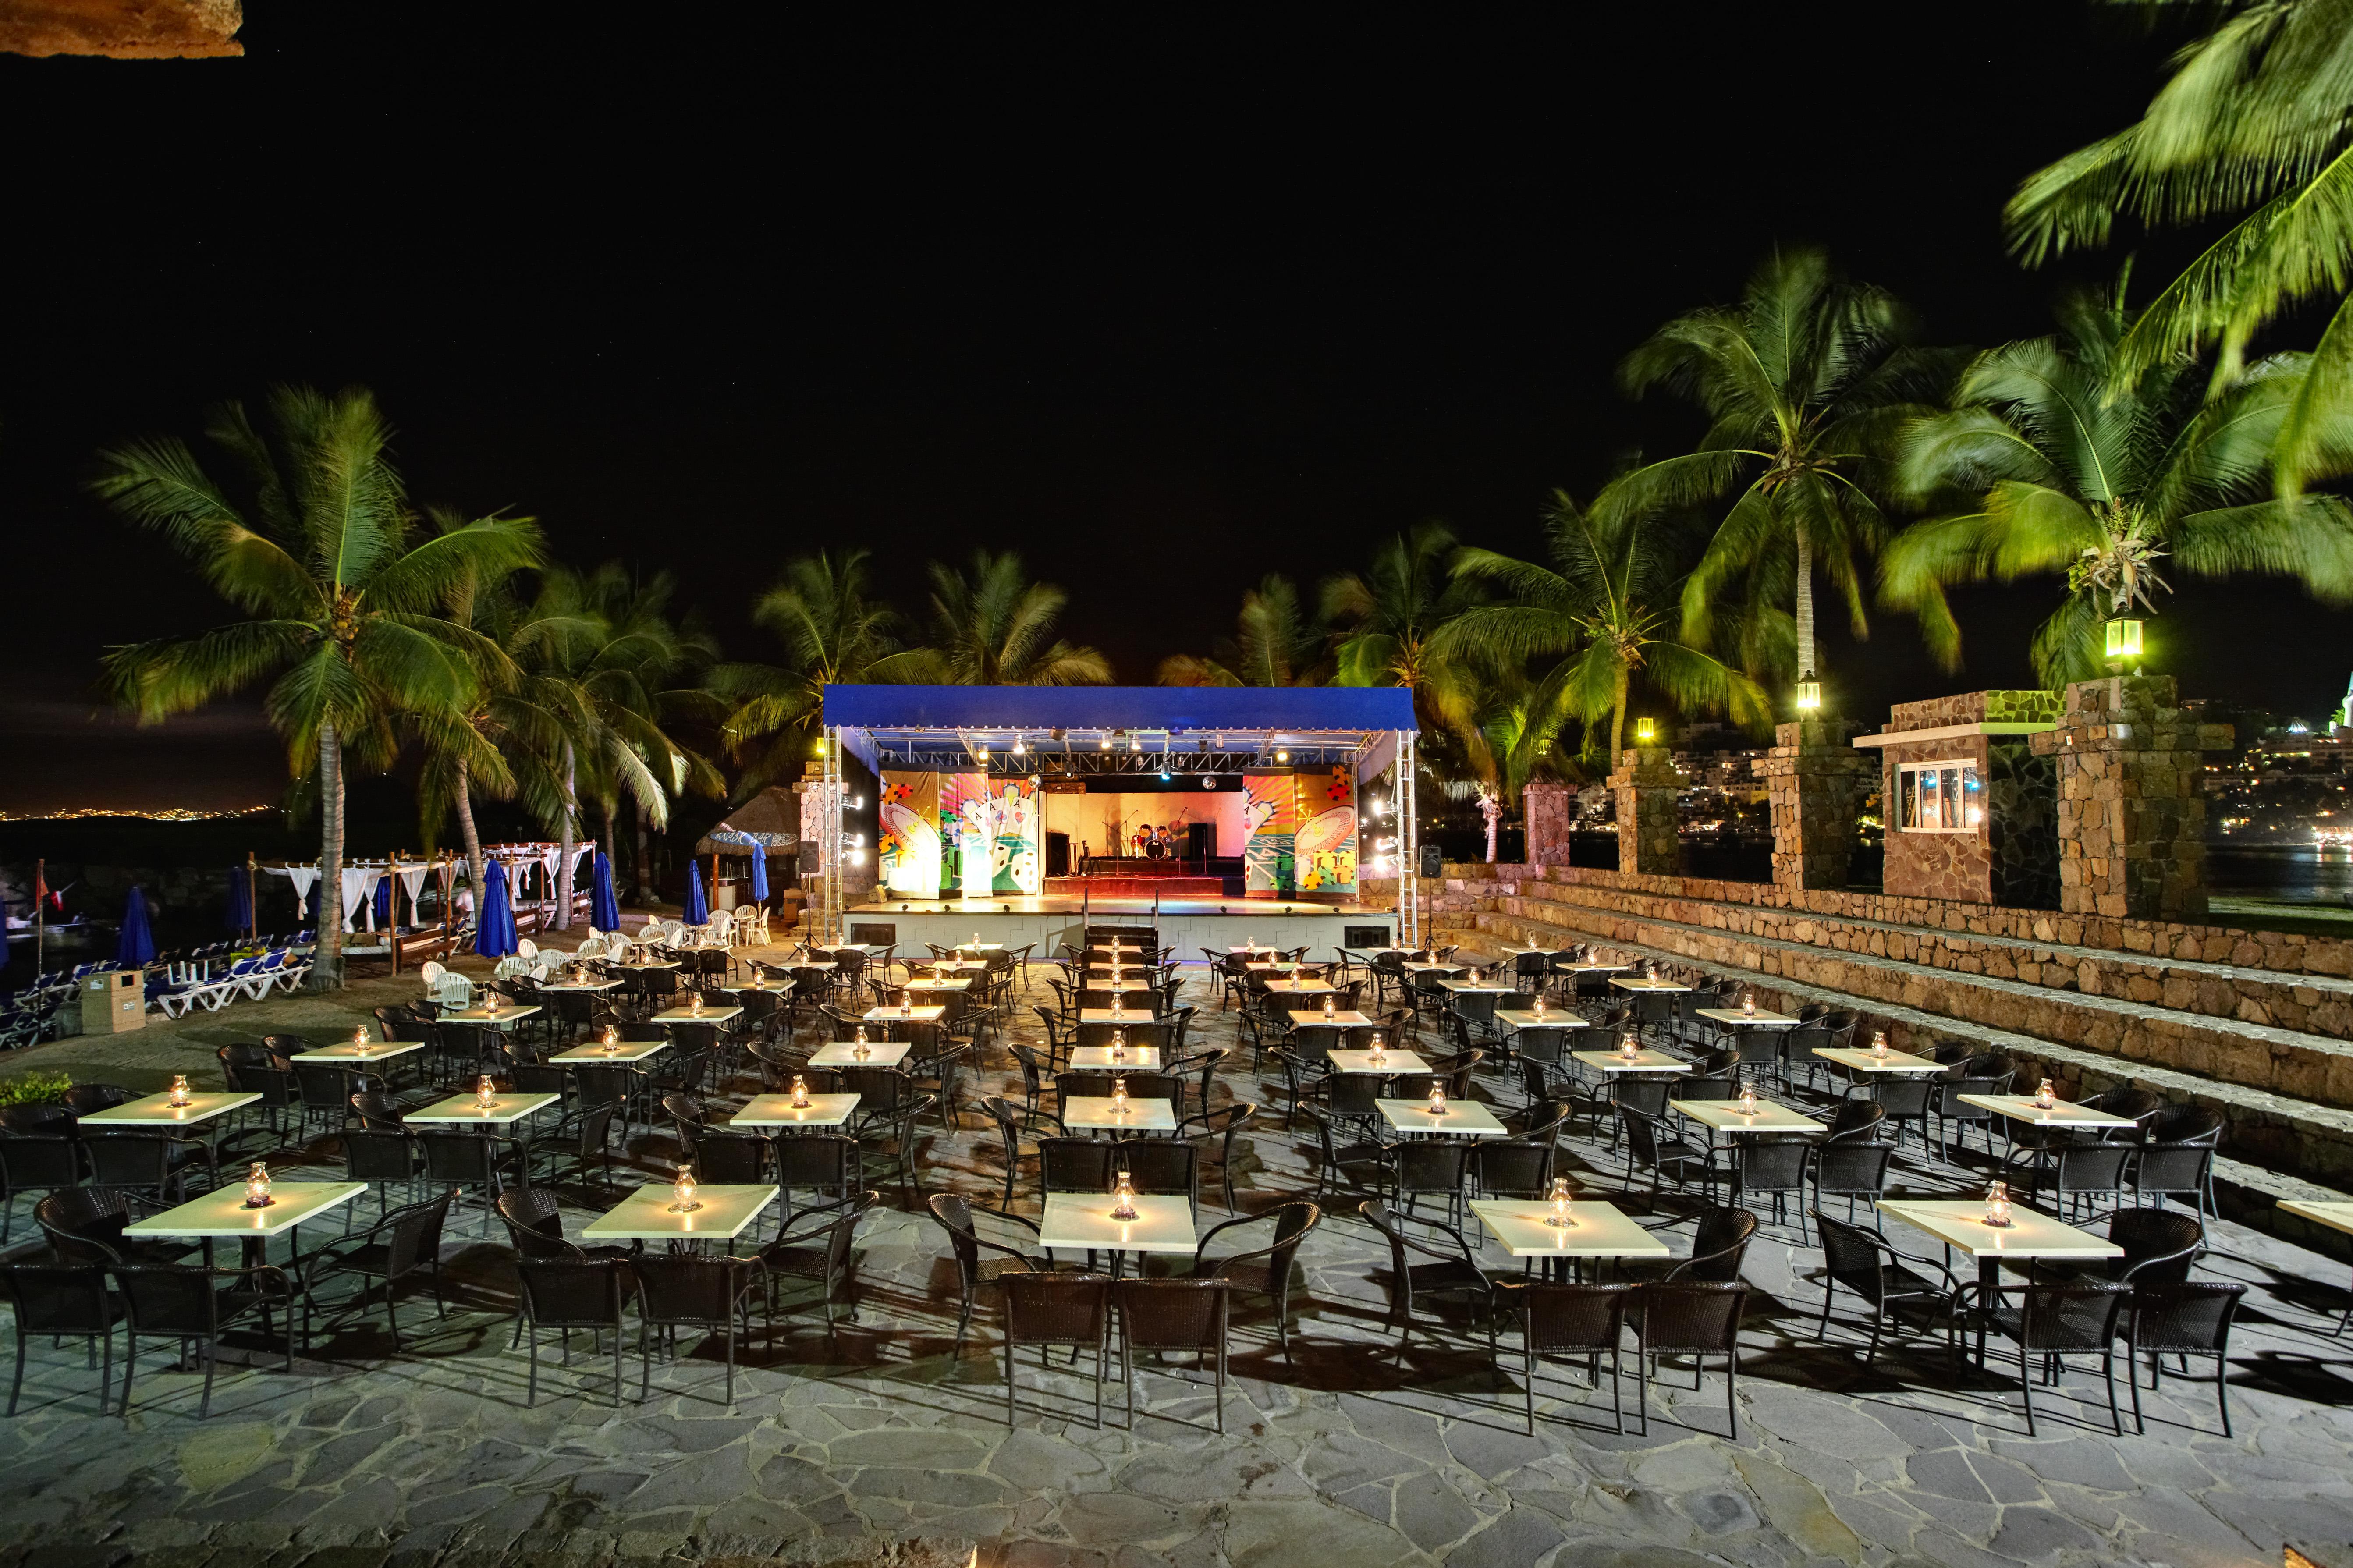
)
(35, 1088)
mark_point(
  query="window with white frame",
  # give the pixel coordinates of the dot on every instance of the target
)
(1938, 797)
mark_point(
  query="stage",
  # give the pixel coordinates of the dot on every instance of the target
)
(1185, 925)
(1171, 885)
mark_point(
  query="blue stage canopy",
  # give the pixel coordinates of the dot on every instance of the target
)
(1176, 707)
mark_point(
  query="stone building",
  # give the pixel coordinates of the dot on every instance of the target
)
(1971, 803)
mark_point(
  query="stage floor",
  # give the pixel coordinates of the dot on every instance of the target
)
(1186, 925)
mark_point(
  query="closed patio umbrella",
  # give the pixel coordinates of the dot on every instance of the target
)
(384, 903)
(136, 945)
(603, 909)
(494, 934)
(760, 874)
(240, 899)
(697, 912)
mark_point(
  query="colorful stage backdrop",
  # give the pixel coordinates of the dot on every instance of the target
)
(954, 831)
(1302, 833)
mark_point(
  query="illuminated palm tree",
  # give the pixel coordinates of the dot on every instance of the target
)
(833, 633)
(993, 627)
(1597, 613)
(1274, 644)
(2061, 456)
(2257, 120)
(1388, 616)
(1804, 385)
(340, 587)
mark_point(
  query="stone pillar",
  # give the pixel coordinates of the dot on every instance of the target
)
(1809, 780)
(1645, 786)
(1548, 807)
(2132, 817)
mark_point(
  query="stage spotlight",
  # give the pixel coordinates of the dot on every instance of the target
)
(1163, 776)
(1103, 742)
(1209, 781)
(1020, 747)
(1283, 756)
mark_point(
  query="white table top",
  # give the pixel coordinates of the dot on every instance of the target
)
(812, 964)
(1301, 987)
(1529, 1018)
(2335, 1216)
(1126, 1016)
(844, 1054)
(1390, 1062)
(1254, 950)
(623, 1051)
(653, 964)
(222, 1212)
(1121, 972)
(1437, 968)
(504, 1110)
(157, 1109)
(1643, 1060)
(1759, 1019)
(916, 1015)
(2022, 1108)
(1463, 1117)
(708, 1015)
(724, 1213)
(1960, 1223)
(1459, 986)
(1723, 1115)
(778, 1110)
(959, 966)
(580, 985)
(499, 1019)
(1598, 1230)
(1626, 985)
(1097, 1058)
(1855, 1058)
(374, 1051)
(1591, 968)
(1082, 1221)
(1093, 1112)
(1337, 1017)
(951, 983)
(980, 947)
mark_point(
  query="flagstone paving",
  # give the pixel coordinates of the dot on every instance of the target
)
(879, 1445)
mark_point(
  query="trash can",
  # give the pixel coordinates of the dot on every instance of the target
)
(113, 1001)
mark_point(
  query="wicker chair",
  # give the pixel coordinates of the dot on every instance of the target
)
(1050, 1310)
(1558, 1320)
(1180, 1316)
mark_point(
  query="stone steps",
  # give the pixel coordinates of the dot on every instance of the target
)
(2295, 1063)
(2277, 1144)
(2244, 988)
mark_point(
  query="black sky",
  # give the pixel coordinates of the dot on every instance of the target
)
(1164, 305)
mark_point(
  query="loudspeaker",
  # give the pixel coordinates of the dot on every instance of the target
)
(1433, 861)
(808, 856)
(1200, 840)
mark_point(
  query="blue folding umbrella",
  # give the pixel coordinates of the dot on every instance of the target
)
(384, 903)
(240, 899)
(760, 874)
(603, 909)
(136, 945)
(697, 912)
(494, 934)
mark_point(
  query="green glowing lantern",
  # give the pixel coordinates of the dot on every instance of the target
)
(2122, 640)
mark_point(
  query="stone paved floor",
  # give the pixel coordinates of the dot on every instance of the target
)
(880, 1446)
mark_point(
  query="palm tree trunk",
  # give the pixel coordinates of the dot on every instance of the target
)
(1618, 719)
(327, 952)
(1807, 670)
(466, 827)
(638, 881)
(571, 832)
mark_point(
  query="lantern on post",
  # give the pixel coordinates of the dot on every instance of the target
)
(1646, 730)
(1809, 694)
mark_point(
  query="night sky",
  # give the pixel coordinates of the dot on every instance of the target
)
(1163, 311)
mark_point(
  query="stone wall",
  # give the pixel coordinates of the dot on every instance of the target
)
(1465, 886)
(1650, 829)
(2132, 818)
(1547, 809)
(1811, 779)
(2022, 791)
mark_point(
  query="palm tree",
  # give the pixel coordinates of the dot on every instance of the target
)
(642, 684)
(993, 627)
(2258, 114)
(338, 585)
(2064, 457)
(1804, 384)
(833, 632)
(1275, 645)
(1389, 615)
(1596, 611)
